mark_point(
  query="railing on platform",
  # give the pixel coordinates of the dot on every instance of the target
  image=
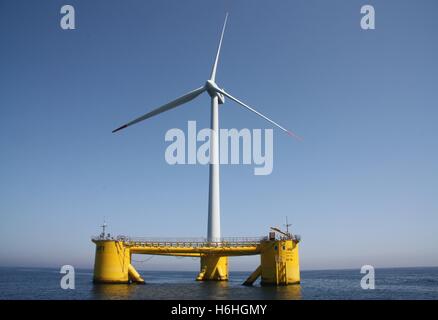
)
(186, 242)
(294, 237)
(192, 242)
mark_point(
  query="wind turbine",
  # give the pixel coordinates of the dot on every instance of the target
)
(217, 97)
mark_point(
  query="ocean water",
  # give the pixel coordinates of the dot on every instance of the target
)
(397, 283)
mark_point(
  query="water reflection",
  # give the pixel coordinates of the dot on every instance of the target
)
(114, 291)
(291, 292)
(215, 289)
(221, 290)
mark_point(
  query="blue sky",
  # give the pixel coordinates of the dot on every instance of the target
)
(360, 189)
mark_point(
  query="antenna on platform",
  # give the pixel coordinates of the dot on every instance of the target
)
(103, 226)
(287, 225)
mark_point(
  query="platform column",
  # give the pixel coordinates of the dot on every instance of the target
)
(112, 263)
(213, 267)
(280, 263)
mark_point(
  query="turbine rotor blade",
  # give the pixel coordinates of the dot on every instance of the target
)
(213, 71)
(170, 105)
(258, 113)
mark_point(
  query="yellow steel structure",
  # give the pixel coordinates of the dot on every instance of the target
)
(279, 262)
(279, 259)
(213, 267)
(112, 263)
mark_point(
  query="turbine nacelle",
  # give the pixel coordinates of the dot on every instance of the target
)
(214, 91)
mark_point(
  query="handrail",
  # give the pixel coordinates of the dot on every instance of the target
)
(193, 242)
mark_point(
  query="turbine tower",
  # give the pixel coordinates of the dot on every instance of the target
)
(217, 97)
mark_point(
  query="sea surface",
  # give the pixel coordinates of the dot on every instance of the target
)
(397, 283)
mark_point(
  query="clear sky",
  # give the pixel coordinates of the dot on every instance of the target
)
(362, 188)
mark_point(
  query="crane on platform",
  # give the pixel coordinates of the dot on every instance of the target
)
(217, 95)
(287, 235)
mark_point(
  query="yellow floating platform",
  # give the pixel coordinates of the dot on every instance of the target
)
(279, 259)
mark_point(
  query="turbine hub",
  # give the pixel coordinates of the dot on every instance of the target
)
(212, 89)
(211, 86)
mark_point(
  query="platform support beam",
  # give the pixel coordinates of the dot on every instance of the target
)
(253, 277)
